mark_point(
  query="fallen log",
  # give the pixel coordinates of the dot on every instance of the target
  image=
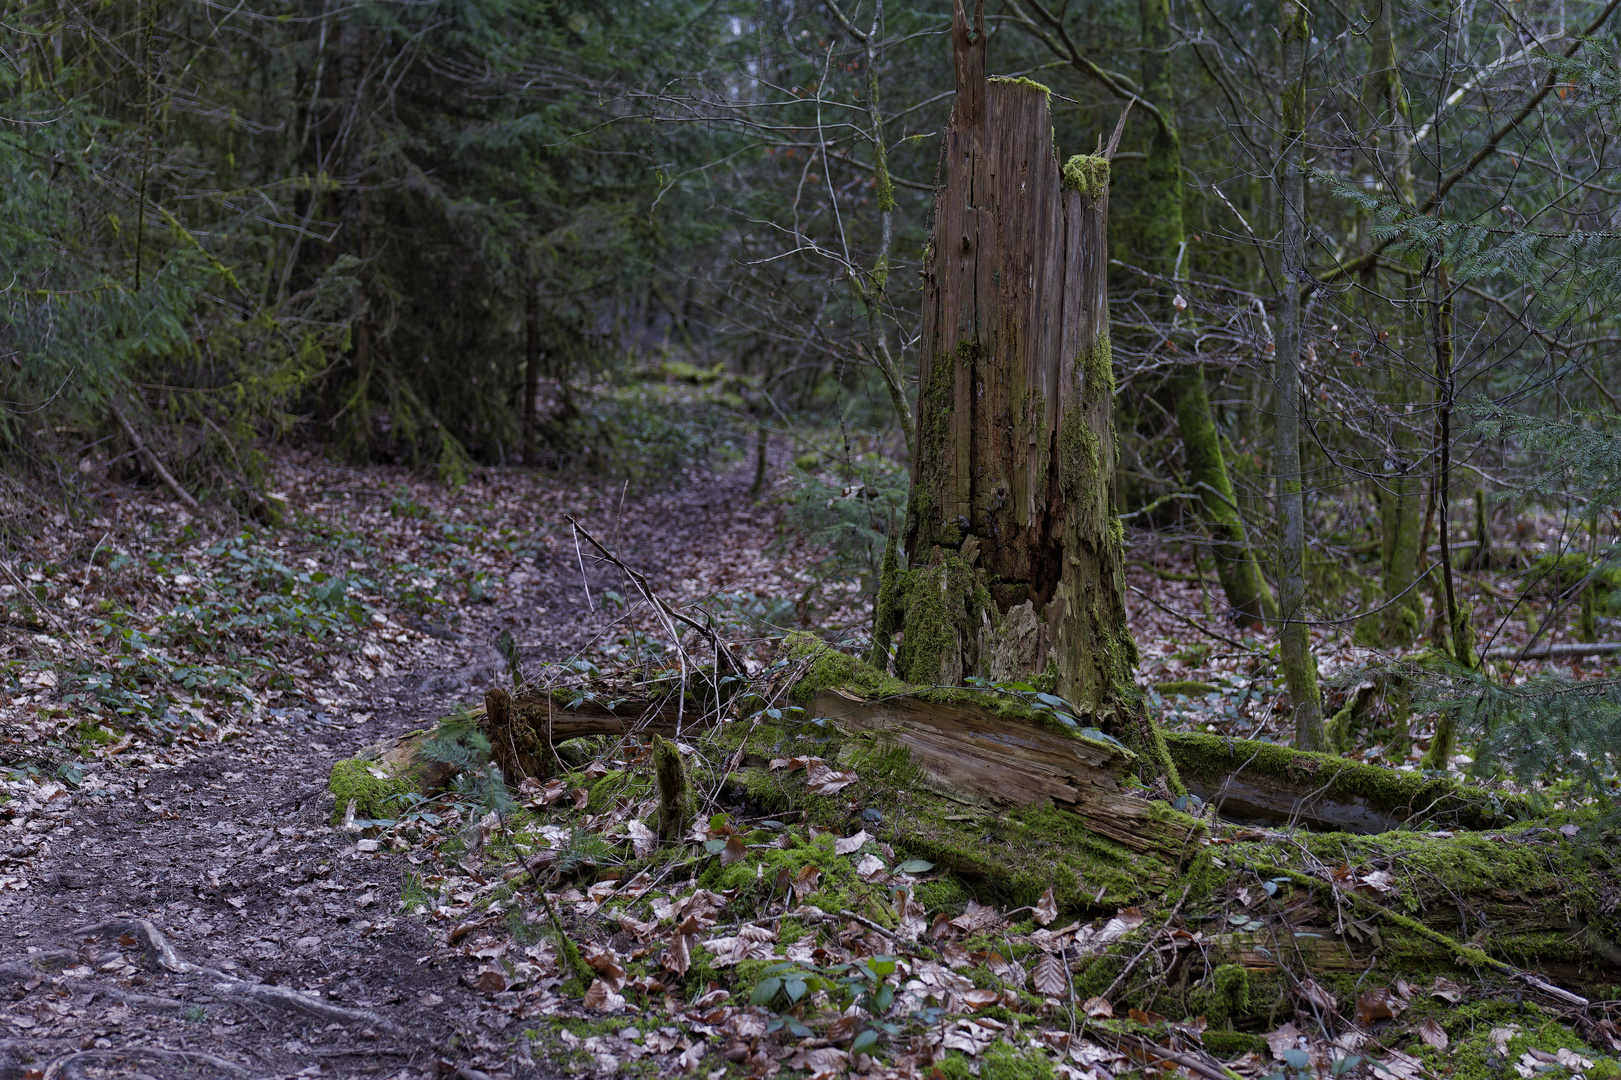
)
(1327, 858)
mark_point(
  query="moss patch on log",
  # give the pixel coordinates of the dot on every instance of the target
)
(374, 792)
(1404, 797)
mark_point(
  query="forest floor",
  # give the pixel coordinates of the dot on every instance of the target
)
(178, 896)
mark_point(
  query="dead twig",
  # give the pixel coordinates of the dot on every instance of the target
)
(157, 464)
(1146, 949)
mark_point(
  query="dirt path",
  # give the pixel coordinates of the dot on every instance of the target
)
(206, 920)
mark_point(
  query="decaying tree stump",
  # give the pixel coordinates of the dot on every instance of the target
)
(1010, 563)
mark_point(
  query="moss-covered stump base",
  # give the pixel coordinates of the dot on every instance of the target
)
(1266, 784)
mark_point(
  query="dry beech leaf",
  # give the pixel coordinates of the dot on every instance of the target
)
(979, 998)
(1377, 1004)
(850, 844)
(1312, 992)
(642, 838)
(1143, 1017)
(581, 797)
(1447, 990)
(1284, 1038)
(1050, 977)
(825, 781)
(870, 868)
(1097, 1008)
(489, 979)
(1046, 909)
(1432, 1035)
(734, 850)
(599, 998)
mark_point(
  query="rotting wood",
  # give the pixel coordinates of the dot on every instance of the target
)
(979, 756)
(1267, 784)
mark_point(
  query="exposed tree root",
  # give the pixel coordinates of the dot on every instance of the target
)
(158, 953)
(70, 1066)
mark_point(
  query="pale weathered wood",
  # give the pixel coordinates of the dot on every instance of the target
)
(979, 756)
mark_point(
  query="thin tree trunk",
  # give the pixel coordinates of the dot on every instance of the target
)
(1160, 239)
(1299, 666)
(531, 371)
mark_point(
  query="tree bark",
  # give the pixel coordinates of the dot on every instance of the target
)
(1299, 666)
(1012, 560)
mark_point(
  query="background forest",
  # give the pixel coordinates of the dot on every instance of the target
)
(623, 240)
(361, 359)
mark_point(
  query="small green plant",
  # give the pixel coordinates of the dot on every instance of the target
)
(866, 983)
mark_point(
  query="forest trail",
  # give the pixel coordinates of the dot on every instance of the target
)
(289, 953)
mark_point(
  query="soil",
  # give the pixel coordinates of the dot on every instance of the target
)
(206, 919)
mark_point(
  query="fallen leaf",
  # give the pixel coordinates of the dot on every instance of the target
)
(489, 979)
(734, 850)
(850, 844)
(1046, 909)
(606, 964)
(870, 868)
(642, 838)
(1050, 977)
(1376, 1004)
(1397, 1066)
(825, 781)
(824, 1061)
(806, 880)
(581, 797)
(1446, 989)
(1143, 1017)
(600, 998)
(1097, 1008)
(1284, 1038)
(976, 917)
(1124, 921)
(1571, 1060)
(1312, 992)
(1432, 1035)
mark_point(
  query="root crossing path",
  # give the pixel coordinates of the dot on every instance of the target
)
(207, 920)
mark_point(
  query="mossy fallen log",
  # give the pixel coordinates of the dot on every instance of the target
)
(1015, 801)
(1264, 783)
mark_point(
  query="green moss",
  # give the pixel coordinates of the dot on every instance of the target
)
(374, 796)
(828, 668)
(1097, 366)
(1078, 462)
(1233, 1044)
(1028, 84)
(1408, 797)
(1004, 1062)
(1087, 174)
